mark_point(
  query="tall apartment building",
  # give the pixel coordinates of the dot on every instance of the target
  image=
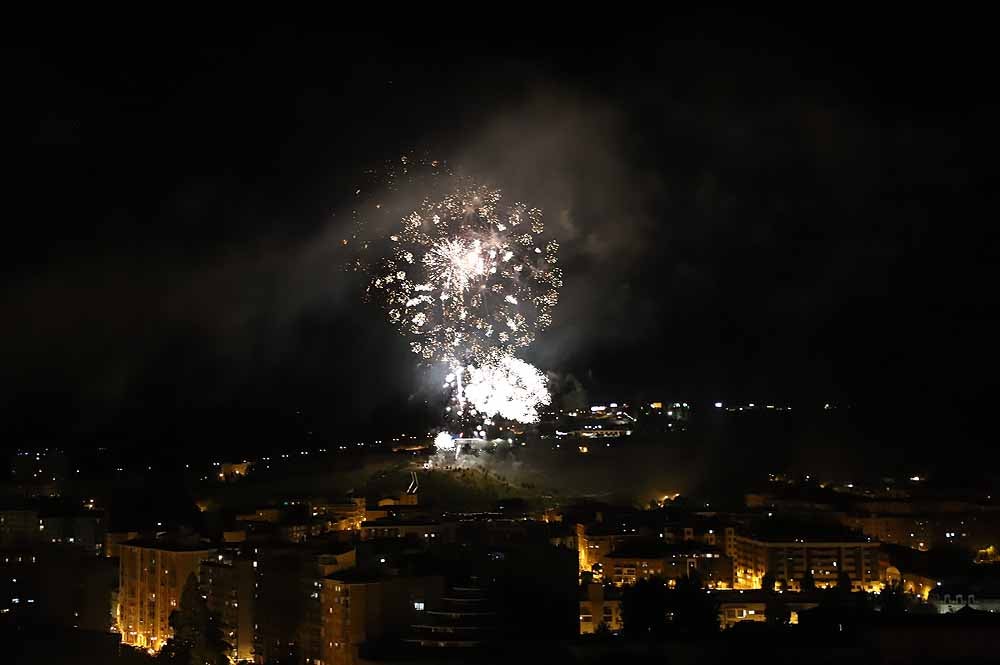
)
(357, 607)
(152, 574)
(229, 586)
(287, 611)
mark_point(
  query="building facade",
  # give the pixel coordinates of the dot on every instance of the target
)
(152, 575)
(789, 560)
(637, 561)
(757, 605)
(600, 606)
(950, 597)
(229, 585)
(427, 530)
(595, 541)
(20, 527)
(358, 608)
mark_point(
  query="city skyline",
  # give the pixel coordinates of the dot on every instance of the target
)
(664, 339)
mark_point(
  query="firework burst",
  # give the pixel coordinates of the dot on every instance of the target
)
(506, 387)
(469, 279)
(467, 275)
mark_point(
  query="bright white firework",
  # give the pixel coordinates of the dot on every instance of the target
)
(467, 276)
(506, 387)
(469, 279)
(455, 265)
(443, 441)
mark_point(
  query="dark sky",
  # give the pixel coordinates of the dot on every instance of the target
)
(790, 210)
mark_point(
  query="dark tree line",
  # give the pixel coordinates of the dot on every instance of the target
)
(652, 610)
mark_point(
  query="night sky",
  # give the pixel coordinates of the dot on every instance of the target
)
(790, 211)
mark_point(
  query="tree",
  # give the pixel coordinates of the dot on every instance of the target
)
(777, 611)
(808, 582)
(844, 591)
(197, 638)
(650, 610)
(891, 600)
(603, 631)
(644, 608)
(696, 612)
(767, 582)
(291, 659)
(949, 560)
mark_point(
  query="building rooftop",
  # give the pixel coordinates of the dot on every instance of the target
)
(700, 522)
(602, 529)
(762, 596)
(658, 549)
(171, 545)
(776, 531)
(390, 522)
(356, 576)
(367, 576)
(981, 588)
(609, 592)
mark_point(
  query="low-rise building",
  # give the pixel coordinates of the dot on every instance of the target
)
(231, 471)
(417, 529)
(347, 514)
(915, 531)
(272, 515)
(405, 499)
(85, 531)
(595, 541)
(756, 605)
(982, 595)
(600, 608)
